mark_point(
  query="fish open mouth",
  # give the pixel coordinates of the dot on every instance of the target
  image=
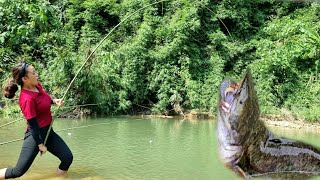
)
(227, 104)
(234, 94)
(233, 101)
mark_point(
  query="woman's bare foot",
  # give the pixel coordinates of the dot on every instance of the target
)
(61, 172)
(2, 173)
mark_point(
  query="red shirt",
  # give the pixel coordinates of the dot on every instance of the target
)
(36, 105)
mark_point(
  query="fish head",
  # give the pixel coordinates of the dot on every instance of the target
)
(237, 101)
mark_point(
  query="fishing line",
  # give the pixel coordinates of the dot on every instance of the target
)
(7, 124)
(79, 127)
(82, 105)
(75, 106)
(67, 107)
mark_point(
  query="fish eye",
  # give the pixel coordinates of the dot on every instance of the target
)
(240, 102)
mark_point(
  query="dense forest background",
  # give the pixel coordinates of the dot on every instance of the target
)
(170, 56)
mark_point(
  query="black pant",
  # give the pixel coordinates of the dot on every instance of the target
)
(30, 149)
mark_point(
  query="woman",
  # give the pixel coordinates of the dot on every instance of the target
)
(35, 105)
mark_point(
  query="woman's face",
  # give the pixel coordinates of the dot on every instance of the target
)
(31, 77)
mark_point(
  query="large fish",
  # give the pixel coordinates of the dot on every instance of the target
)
(245, 144)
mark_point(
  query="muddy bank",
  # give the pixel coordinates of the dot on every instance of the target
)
(189, 115)
(289, 122)
(285, 120)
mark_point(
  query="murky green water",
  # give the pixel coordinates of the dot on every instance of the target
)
(132, 148)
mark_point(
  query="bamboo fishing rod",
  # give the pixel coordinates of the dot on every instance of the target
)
(88, 58)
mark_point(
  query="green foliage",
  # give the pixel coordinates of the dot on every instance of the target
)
(287, 68)
(171, 54)
(28, 29)
(11, 110)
